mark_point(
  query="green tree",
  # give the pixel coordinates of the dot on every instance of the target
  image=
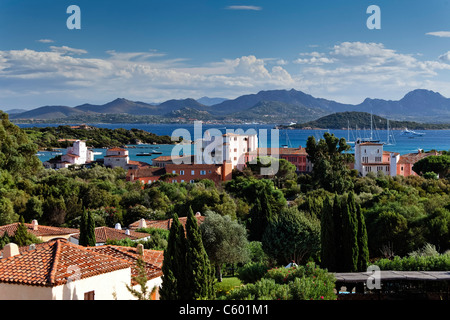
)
(7, 214)
(328, 236)
(330, 163)
(90, 230)
(83, 239)
(225, 241)
(437, 164)
(173, 285)
(349, 235)
(199, 272)
(22, 237)
(363, 246)
(260, 216)
(141, 278)
(292, 237)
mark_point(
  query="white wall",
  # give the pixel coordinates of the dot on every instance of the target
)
(104, 286)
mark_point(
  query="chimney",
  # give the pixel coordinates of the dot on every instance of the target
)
(198, 214)
(10, 250)
(118, 226)
(35, 225)
(127, 232)
(140, 249)
(142, 223)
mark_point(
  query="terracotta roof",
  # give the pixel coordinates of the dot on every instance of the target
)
(281, 151)
(139, 163)
(165, 224)
(52, 264)
(412, 158)
(170, 158)
(152, 258)
(116, 149)
(102, 234)
(71, 155)
(117, 156)
(370, 144)
(10, 229)
(143, 172)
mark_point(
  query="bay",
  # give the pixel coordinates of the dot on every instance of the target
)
(432, 140)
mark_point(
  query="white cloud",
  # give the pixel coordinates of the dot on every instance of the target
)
(252, 8)
(445, 57)
(347, 72)
(441, 34)
(67, 50)
(45, 41)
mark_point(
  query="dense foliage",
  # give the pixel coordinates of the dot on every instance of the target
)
(253, 223)
(55, 137)
(307, 282)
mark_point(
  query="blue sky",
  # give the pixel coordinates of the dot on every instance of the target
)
(154, 50)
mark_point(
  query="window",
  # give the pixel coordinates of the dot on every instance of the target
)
(89, 295)
(182, 172)
(191, 181)
(202, 172)
(192, 172)
(174, 171)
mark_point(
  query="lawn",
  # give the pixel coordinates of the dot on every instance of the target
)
(228, 283)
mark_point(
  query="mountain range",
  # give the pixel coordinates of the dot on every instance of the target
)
(271, 106)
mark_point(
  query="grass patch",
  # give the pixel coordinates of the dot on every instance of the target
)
(227, 284)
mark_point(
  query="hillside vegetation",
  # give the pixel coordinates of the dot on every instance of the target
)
(55, 137)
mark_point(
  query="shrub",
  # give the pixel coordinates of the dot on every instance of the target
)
(298, 283)
(252, 272)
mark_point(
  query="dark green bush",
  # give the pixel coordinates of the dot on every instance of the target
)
(252, 272)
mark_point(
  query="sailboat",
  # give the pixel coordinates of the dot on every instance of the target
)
(390, 137)
(411, 133)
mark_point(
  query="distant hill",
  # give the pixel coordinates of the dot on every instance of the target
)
(172, 105)
(271, 106)
(292, 97)
(418, 105)
(120, 105)
(360, 120)
(47, 112)
(275, 111)
(210, 101)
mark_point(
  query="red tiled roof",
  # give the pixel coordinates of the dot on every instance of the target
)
(165, 224)
(10, 229)
(117, 156)
(105, 233)
(152, 258)
(412, 158)
(116, 149)
(51, 264)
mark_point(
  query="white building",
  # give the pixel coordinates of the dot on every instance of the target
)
(59, 270)
(116, 157)
(78, 154)
(370, 157)
(231, 148)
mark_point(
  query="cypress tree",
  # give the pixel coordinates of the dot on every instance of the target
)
(82, 241)
(174, 264)
(199, 271)
(21, 234)
(260, 215)
(337, 224)
(363, 248)
(327, 236)
(90, 230)
(349, 235)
